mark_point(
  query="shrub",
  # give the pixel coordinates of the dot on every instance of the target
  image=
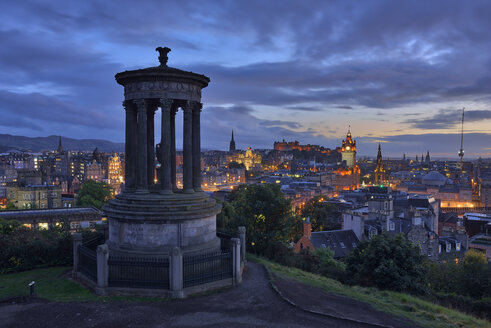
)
(24, 249)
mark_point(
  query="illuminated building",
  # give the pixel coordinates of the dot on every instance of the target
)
(295, 145)
(348, 151)
(115, 173)
(34, 196)
(249, 158)
(94, 171)
(379, 174)
(347, 176)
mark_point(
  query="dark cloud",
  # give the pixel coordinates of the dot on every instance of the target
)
(58, 61)
(35, 110)
(446, 118)
(304, 108)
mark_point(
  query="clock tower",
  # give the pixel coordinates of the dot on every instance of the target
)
(348, 151)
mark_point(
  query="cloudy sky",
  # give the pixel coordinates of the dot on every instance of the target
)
(397, 72)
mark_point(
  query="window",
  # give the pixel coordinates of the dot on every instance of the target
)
(301, 245)
(457, 247)
(342, 244)
(392, 226)
(449, 247)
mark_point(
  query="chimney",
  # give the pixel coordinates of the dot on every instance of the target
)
(307, 227)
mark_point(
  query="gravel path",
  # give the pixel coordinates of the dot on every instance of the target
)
(252, 304)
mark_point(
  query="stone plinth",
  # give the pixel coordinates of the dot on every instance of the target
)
(156, 223)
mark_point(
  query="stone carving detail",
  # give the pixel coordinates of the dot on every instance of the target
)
(159, 89)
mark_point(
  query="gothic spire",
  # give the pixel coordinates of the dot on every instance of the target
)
(232, 142)
(60, 147)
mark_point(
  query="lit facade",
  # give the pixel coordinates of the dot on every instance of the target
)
(348, 151)
(250, 159)
(94, 172)
(115, 174)
(347, 176)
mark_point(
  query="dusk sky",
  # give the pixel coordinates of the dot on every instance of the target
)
(398, 72)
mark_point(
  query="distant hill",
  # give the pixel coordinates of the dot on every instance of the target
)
(20, 143)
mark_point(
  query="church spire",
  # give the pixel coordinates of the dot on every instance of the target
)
(379, 173)
(60, 147)
(232, 142)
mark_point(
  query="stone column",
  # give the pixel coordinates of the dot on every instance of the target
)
(236, 260)
(131, 141)
(196, 146)
(142, 164)
(242, 237)
(150, 145)
(187, 145)
(176, 273)
(77, 241)
(165, 147)
(173, 148)
(102, 269)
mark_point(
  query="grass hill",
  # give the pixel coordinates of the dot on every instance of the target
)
(422, 312)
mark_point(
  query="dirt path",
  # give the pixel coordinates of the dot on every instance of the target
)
(252, 304)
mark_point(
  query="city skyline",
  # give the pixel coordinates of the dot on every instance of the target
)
(396, 73)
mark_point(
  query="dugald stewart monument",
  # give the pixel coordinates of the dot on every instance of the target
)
(162, 240)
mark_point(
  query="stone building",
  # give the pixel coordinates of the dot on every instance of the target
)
(348, 151)
(250, 159)
(94, 171)
(341, 242)
(115, 173)
(34, 196)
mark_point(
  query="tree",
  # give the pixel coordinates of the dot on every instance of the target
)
(475, 275)
(322, 215)
(388, 262)
(9, 206)
(93, 193)
(266, 214)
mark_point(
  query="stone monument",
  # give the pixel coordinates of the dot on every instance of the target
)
(149, 217)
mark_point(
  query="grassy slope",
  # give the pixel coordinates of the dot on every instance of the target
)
(52, 284)
(422, 312)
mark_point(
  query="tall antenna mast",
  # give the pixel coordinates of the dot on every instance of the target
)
(461, 152)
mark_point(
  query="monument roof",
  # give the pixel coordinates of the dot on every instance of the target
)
(162, 72)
